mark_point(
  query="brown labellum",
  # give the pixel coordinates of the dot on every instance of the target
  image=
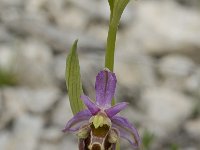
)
(98, 139)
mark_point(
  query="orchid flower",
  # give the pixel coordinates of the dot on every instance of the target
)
(99, 127)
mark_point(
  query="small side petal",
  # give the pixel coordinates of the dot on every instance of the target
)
(127, 131)
(80, 119)
(105, 87)
(90, 105)
(112, 111)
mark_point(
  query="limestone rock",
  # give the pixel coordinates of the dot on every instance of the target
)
(158, 31)
(27, 130)
(193, 128)
(62, 113)
(166, 110)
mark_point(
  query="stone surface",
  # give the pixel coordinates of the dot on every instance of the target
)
(62, 113)
(59, 65)
(159, 31)
(193, 128)
(69, 143)
(100, 10)
(166, 110)
(33, 66)
(48, 146)
(4, 140)
(6, 57)
(173, 66)
(134, 72)
(192, 84)
(27, 130)
(72, 18)
(51, 134)
(37, 101)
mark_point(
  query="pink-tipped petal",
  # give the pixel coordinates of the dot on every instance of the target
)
(112, 111)
(90, 105)
(127, 130)
(105, 87)
(80, 119)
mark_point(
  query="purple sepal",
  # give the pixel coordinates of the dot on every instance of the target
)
(112, 111)
(127, 130)
(105, 87)
(80, 119)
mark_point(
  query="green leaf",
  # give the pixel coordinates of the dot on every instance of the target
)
(73, 80)
(111, 3)
(118, 9)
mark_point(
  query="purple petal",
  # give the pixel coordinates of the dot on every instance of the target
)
(112, 111)
(90, 105)
(127, 131)
(105, 87)
(80, 119)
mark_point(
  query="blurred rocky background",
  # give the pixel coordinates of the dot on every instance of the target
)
(157, 66)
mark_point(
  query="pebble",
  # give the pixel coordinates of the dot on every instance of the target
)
(62, 113)
(19, 100)
(51, 134)
(33, 64)
(193, 128)
(175, 66)
(166, 109)
(6, 57)
(158, 31)
(4, 140)
(26, 134)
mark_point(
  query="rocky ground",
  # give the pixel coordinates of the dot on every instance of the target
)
(157, 66)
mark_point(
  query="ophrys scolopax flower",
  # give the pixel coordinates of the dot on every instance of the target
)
(99, 127)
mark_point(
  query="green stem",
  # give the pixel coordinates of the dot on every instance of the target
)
(110, 47)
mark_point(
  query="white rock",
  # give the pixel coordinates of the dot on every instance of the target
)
(48, 146)
(42, 99)
(164, 26)
(33, 64)
(165, 109)
(134, 72)
(99, 31)
(72, 19)
(13, 105)
(59, 66)
(51, 134)
(6, 57)
(4, 140)
(27, 130)
(69, 143)
(193, 128)
(192, 84)
(35, 100)
(101, 10)
(176, 66)
(62, 113)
